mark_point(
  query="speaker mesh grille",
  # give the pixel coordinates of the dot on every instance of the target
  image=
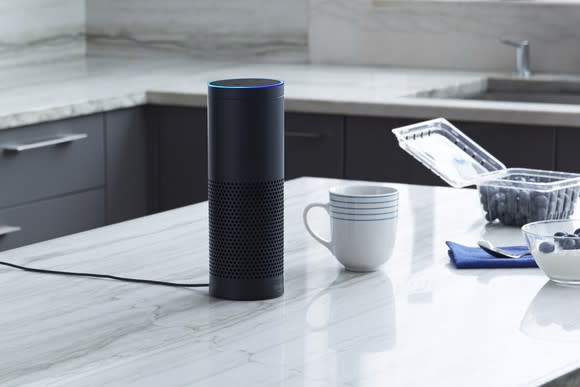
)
(246, 229)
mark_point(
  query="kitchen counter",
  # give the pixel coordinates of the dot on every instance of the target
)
(50, 91)
(416, 322)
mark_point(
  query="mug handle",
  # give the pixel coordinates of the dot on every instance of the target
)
(326, 243)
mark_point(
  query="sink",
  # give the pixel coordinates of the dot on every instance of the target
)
(520, 90)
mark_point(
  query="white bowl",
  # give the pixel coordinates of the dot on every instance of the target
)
(557, 256)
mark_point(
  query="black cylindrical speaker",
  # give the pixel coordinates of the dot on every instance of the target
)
(246, 188)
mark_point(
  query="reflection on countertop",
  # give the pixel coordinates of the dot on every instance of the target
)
(554, 313)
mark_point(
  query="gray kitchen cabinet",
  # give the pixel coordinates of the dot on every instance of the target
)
(373, 153)
(131, 151)
(313, 145)
(182, 156)
(51, 159)
(567, 145)
(523, 146)
(52, 218)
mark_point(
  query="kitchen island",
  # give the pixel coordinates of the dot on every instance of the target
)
(416, 322)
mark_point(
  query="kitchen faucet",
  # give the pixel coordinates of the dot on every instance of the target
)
(522, 56)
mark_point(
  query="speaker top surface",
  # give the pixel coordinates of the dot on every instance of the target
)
(246, 88)
(248, 83)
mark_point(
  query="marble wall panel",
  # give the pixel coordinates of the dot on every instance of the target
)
(452, 34)
(41, 30)
(255, 30)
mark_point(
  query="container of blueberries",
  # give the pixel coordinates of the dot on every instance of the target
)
(512, 196)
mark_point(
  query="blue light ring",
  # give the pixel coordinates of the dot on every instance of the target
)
(280, 83)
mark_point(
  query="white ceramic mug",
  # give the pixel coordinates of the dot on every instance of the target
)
(363, 225)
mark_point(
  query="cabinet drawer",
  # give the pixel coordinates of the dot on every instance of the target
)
(313, 146)
(52, 218)
(51, 159)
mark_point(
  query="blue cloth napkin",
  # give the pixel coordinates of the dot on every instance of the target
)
(464, 257)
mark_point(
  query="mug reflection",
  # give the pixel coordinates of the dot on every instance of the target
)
(353, 345)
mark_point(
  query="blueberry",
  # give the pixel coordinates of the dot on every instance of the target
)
(541, 201)
(501, 208)
(546, 247)
(511, 201)
(567, 243)
(560, 234)
(577, 231)
(576, 240)
(508, 219)
(542, 213)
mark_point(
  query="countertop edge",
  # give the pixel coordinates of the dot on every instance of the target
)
(401, 107)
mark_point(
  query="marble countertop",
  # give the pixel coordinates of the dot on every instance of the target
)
(416, 322)
(50, 91)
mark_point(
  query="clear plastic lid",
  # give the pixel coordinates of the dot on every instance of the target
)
(447, 152)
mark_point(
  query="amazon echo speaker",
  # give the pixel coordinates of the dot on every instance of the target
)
(246, 188)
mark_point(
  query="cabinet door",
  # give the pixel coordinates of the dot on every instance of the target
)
(523, 146)
(182, 156)
(313, 145)
(131, 164)
(567, 145)
(51, 159)
(372, 153)
(47, 219)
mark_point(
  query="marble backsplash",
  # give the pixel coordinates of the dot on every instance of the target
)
(451, 35)
(41, 30)
(250, 30)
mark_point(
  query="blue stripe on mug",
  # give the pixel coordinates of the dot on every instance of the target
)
(373, 202)
(364, 208)
(366, 196)
(362, 214)
(363, 220)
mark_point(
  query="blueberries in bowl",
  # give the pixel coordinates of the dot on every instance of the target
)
(567, 243)
(564, 241)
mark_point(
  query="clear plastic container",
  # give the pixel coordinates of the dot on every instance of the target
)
(514, 196)
(517, 196)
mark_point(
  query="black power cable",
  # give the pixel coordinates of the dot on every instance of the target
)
(113, 277)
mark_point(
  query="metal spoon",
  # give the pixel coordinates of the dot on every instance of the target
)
(489, 248)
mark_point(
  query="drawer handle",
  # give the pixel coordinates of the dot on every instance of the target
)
(44, 143)
(5, 230)
(303, 134)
